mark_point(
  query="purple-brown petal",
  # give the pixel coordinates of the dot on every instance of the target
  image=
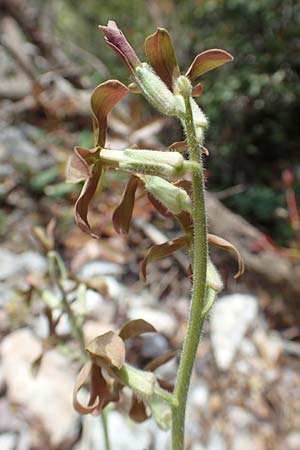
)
(206, 61)
(123, 213)
(161, 251)
(78, 165)
(197, 90)
(103, 99)
(162, 57)
(80, 381)
(84, 199)
(225, 245)
(134, 328)
(118, 42)
(107, 348)
(138, 410)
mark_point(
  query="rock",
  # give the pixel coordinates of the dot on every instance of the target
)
(8, 441)
(199, 397)
(12, 264)
(240, 417)
(216, 441)
(18, 148)
(46, 396)
(124, 434)
(292, 441)
(247, 441)
(161, 320)
(96, 268)
(268, 345)
(230, 319)
(9, 264)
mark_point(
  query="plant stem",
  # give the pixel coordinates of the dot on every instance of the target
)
(196, 319)
(76, 329)
(105, 429)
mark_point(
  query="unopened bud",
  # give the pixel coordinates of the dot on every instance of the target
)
(172, 197)
(155, 90)
(183, 86)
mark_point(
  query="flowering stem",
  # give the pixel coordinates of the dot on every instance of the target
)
(76, 329)
(196, 319)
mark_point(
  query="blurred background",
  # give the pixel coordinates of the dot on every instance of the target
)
(246, 387)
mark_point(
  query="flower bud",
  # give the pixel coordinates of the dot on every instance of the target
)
(155, 90)
(172, 197)
(183, 86)
(149, 162)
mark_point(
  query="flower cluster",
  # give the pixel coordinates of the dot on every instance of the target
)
(160, 174)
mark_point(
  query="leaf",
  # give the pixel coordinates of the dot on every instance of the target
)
(118, 42)
(80, 381)
(78, 165)
(162, 57)
(160, 360)
(107, 348)
(206, 61)
(84, 199)
(225, 245)
(213, 278)
(134, 328)
(123, 213)
(162, 250)
(103, 99)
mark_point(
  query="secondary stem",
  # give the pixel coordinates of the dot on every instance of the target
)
(195, 322)
(76, 332)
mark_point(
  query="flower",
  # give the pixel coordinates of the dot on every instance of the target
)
(109, 373)
(162, 57)
(85, 164)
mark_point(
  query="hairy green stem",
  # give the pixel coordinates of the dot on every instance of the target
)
(196, 319)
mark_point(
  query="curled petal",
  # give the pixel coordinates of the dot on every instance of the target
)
(107, 348)
(83, 201)
(78, 165)
(134, 328)
(123, 213)
(225, 245)
(117, 41)
(162, 250)
(80, 381)
(206, 61)
(138, 411)
(162, 57)
(103, 99)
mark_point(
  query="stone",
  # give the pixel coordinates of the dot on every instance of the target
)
(12, 264)
(45, 396)
(230, 319)
(161, 320)
(292, 441)
(97, 268)
(199, 397)
(240, 417)
(8, 441)
(269, 346)
(246, 441)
